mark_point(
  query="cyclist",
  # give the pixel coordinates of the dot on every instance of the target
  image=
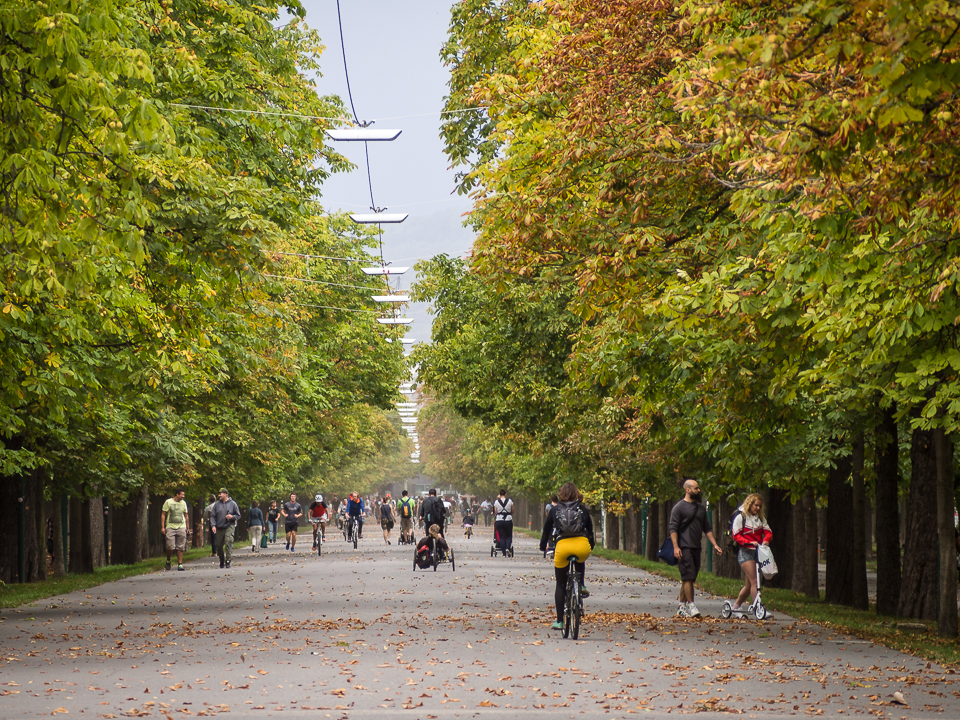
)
(342, 513)
(571, 522)
(318, 519)
(406, 511)
(355, 511)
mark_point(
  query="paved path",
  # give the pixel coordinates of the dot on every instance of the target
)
(359, 634)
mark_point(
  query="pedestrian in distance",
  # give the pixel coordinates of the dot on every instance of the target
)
(486, 507)
(255, 524)
(688, 523)
(211, 501)
(569, 522)
(554, 499)
(503, 521)
(406, 511)
(292, 511)
(432, 511)
(385, 511)
(174, 522)
(749, 530)
(273, 520)
(223, 518)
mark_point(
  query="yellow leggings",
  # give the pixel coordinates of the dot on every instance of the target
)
(566, 547)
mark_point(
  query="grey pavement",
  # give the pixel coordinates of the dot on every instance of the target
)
(358, 633)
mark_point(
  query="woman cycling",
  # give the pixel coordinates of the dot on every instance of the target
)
(749, 530)
(570, 521)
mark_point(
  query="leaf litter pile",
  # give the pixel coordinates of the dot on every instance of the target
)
(470, 643)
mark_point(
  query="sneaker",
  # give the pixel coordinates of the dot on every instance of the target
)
(180, 567)
(228, 564)
(168, 565)
(692, 609)
(291, 549)
(682, 610)
(584, 593)
(737, 609)
(557, 626)
(314, 546)
(288, 546)
(221, 566)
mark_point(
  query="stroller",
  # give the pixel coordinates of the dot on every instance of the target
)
(496, 548)
(428, 555)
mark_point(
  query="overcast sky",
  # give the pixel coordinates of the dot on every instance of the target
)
(398, 80)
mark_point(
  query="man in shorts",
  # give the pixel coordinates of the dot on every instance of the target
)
(406, 510)
(688, 523)
(292, 511)
(173, 526)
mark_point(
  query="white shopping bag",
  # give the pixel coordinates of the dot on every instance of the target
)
(768, 566)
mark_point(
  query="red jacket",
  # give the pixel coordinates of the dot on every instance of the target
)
(750, 530)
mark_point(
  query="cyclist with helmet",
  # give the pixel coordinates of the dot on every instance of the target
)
(318, 519)
(355, 512)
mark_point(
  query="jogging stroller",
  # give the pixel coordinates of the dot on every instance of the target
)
(496, 548)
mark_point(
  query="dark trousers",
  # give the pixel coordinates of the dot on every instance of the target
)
(504, 533)
(560, 591)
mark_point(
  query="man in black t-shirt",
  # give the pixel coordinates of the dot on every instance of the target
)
(688, 523)
(292, 512)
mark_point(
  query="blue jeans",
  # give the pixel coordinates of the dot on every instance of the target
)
(273, 530)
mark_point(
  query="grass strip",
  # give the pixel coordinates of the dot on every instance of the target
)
(915, 637)
(15, 595)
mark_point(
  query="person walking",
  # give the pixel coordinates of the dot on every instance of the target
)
(749, 530)
(487, 509)
(173, 526)
(292, 511)
(211, 501)
(569, 521)
(688, 523)
(503, 521)
(432, 512)
(223, 518)
(255, 525)
(406, 509)
(273, 520)
(385, 511)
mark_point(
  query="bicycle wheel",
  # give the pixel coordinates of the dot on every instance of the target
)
(568, 603)
(453, 562)
(356, 536)
(319, 545)
(577, 610)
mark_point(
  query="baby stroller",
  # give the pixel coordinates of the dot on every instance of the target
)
(427, 555)
(496, 548)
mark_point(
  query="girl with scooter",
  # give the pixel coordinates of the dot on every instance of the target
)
(749, 530)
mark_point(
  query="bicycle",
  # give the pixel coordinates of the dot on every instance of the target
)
(319, 535)
(354, 531)
(573, 601)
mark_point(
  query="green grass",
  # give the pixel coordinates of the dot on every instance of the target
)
(15, 595)
(920, 640)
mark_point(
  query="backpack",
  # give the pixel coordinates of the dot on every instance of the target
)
(567, 521)
(405, 509)
(733, 545)
(430, 512)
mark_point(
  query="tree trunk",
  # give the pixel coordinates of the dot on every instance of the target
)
(888, 514)
(631, 525)
(59, 551)
(858, 580)
(726, 565)
(839, 533)
(780, 518)
(805, 544)
(40, 524)
(156, 543)
(918, 590)
(611, 531)
(654, 535)
(129, 526)
(197, 517)
(947, 615)
(97, 554)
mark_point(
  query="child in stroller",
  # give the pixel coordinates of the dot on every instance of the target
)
(431, 550)
(467, 525)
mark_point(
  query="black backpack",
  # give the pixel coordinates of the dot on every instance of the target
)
(733, 545)
(567, 520)
(430, 511)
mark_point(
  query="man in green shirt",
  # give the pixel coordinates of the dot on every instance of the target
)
(173, 526)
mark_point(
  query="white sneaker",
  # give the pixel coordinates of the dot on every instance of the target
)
(682, 610)
(692, 609)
